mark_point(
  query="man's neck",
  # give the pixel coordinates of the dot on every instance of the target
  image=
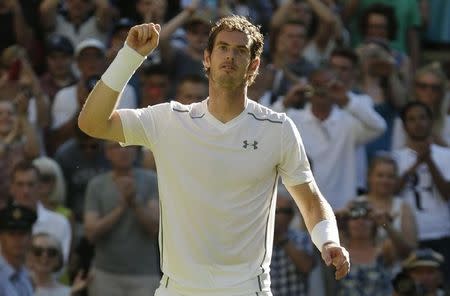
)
(225, 105)
(15, 262)
(417, 145)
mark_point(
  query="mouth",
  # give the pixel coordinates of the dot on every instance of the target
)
(228, 67)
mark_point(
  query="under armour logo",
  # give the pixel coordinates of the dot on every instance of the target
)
(254, 145)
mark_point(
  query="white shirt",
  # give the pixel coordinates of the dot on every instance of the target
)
(431, 210)
(88, 29)
(217, 184)
(66, 105)
(331, 145)
(55, 224)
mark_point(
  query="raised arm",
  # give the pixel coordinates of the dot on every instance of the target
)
(321, 223)
(98, 117)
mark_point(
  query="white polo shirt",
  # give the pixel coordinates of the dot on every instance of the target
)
(217, 184)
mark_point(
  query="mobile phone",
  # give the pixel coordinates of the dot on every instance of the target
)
(14, 70)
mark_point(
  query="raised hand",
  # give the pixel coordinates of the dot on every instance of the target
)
(144, 38)
(337, 256)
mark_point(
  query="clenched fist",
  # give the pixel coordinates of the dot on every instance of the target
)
(144, 38)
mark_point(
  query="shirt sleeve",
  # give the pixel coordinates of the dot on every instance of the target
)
(294, 166)
(144, 126)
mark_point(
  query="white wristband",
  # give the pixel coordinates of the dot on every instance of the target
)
(323, 232)
(122, 68)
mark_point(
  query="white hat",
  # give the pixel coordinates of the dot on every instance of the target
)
(89, 43)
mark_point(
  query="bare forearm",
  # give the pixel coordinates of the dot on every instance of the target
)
(401, 245)
(147, 220)
(414, 47)
(23, 32)
(32, 145)
(442, 185)
(48, 12)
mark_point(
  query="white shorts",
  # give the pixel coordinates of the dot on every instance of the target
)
(163, 291)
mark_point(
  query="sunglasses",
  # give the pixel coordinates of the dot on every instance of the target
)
(433, 86)
(39, 251)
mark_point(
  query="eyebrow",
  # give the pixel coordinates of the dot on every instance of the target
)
(227, 44)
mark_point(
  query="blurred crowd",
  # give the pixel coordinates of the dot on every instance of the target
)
(365, 81)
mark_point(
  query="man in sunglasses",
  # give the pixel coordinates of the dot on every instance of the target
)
(15, 236)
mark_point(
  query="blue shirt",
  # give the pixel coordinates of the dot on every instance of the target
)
(14, 282)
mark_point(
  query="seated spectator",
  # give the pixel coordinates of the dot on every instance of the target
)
(91, 61)
(154, 85)
(46, 259)
(16, 223)
(292, 258)
(78, 19)
(430, 85)
(396, 222)
(23, 190)
(423, 266)
(424, 168)
(369, 274)
(122, 206)
(18, 141)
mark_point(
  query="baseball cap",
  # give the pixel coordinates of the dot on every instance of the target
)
(16, 217)
(423, 257)
(89, 43)
(59, 43)
(205, 17)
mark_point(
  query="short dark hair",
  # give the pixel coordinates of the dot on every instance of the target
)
(154, 69)
(379, 8)
(22, 166)
(346, 52)
(414, 104)
(241, 24)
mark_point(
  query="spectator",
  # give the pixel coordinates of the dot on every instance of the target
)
(369, 275)
(14, 29)
(192, 89)
(121, 205)
(18, 141)
(378, 22)
(80, 158)
(91, 61)
(423, 266)
(78, 20)
(292, 258)
(425, 180)
(23, 190)
(380, 80)
(154, 84)
(333, 124)
(15, 236)
(186, 60)
(396, 222)
(59, 57)
(407, 14)
(46, 259)
(430, 86)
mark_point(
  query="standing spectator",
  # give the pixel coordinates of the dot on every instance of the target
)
(425, 180)
(396, 222)
(15, 236)
(23, 190)
(91, 61)
(292, 258)
(430, 85)
(78, 20)
(407, 14)
(333, 124)
(121, 205)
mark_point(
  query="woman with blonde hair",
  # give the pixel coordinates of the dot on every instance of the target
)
(430, 87)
